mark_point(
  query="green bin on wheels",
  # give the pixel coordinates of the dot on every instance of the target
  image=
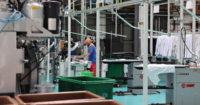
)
(115, 70)
(100, 86)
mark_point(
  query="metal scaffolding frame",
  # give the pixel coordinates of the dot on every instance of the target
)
(145, 31)
(97, 10)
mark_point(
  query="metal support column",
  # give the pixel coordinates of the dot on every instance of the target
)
(116, 20)
(137, 45)
(151, 27)
(82, 21)
(48, 59)
(98, 39)
(145, 58)
(193, 29)
(181, 26)
(69, 39)
(168, 25)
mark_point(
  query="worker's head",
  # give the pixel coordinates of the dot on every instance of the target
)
(88, 41)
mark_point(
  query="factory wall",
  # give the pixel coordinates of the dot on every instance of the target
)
(109, 44)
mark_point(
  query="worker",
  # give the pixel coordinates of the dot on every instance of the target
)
(72, 52)
(72, 40)
(92, 55)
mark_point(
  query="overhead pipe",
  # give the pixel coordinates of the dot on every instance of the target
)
(95, 30)
(163, 33)
(78, 34)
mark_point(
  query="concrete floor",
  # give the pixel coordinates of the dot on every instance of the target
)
(127, 99)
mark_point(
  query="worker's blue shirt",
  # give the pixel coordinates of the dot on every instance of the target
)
(92, 51)
(73, 52)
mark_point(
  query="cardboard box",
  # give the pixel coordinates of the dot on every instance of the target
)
(91, 102)
(6, 100)
(63, 97)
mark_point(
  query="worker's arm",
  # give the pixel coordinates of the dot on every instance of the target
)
(88, 54)
(83, 55)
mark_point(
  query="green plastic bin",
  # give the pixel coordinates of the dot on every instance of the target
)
(115, 70)
(100, 86)
(87, 73)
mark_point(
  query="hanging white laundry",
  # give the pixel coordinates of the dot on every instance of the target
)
(170, 46)
(189, 44)
(176, 48)
(164, 46)
(197, 45)
(104, 69)
(160, 45)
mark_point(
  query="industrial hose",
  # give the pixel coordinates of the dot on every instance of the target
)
(185, 42)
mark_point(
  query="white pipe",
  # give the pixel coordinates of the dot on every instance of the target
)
(145, 58)
(69, 40)
(194, 15)
(85, 18)
(97, 40)
(73, 6)
(116, 23)
(181, 26)
(168, 25)
(79, 34)
(48, 59)
(95, 30)
(142, 28)
(82, 21)
(151, 28)
(193, 29)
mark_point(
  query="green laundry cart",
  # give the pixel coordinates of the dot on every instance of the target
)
(96, 85)
(115, 70)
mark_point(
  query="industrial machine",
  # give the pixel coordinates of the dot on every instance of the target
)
(180, 86)
(23, 26)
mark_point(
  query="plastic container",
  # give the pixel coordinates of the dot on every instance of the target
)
(6, 100)
(96, 102)
(63, 97)
(96, 85)
(86, 73)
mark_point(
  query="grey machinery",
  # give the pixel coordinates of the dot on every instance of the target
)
(182, 87)
(135, 77)
(12, 57)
